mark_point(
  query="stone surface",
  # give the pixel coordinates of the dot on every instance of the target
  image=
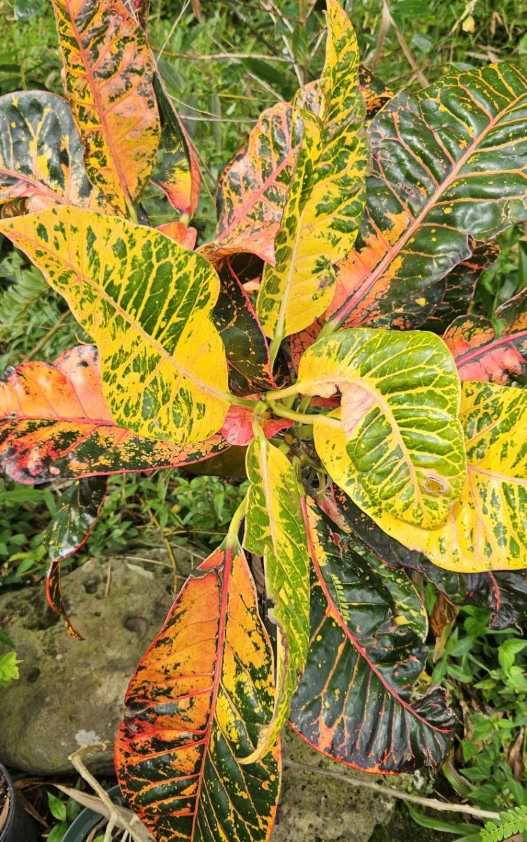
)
(70, 692)
(315, 808)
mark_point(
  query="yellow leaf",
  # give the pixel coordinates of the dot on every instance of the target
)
(486, 529)
(275, 529)
(108, 76)
(146, 302)
(398, 446)
(324, 206)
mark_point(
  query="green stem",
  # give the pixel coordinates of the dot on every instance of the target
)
(304, 418)
(275, 347)
(236, 401)
(281, 394)
(231, 541)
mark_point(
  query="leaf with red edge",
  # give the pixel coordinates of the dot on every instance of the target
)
(177, 171)
(253, 187)
(108, 76)
(201, 693)
(246, 347)
(481, 354)
(55, 424)
(68, 532)
(355, 702)
(447, 163)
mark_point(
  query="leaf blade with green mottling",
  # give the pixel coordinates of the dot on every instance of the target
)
(108, 76)
(147, 303)
(397, 445)
(324, 205)
(274, 528)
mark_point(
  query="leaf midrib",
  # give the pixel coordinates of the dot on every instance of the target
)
(348, 305)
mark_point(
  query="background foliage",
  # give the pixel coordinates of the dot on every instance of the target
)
(223, 66)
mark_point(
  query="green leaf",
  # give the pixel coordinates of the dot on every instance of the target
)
(8, 668)
(147, 304)
(69, 530)
(200, 695)
(41, 156)
(356, 702)
(448, 163)
(397, 446)
(486, 529)
(274, 528)
(326, 196)
(57, 807)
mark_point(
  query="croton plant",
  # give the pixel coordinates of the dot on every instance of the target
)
(328, 329)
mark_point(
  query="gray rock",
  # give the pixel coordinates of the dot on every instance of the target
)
(320, 809)
(70, 692)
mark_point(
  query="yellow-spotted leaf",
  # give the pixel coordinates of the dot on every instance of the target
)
(325, 201)
(275, 529)
(196, 702)
(147, 303)
(397, 446)
(108, 72)
(487, 529)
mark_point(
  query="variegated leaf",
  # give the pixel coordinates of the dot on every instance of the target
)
(55, 424)
(481, 354)
(356, 701)
(460, 285)
(486, 529)
(252, 189)
(69, 530)
(324, 205)
(147, 304)
(504, 593)
(448, 163)
(246, 347)
(275, 529)
(41, 157)
(397, 445)
(108, 72)
(200, 695)
(177, 171)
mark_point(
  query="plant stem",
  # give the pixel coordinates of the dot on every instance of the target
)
(431, 803)
(231, 540)
(304, 418)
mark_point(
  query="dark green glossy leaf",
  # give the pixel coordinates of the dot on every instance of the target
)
(448, 163)
(503, 592)
(41, 157)
(234, 316)
(356, 702)
(70, 529)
